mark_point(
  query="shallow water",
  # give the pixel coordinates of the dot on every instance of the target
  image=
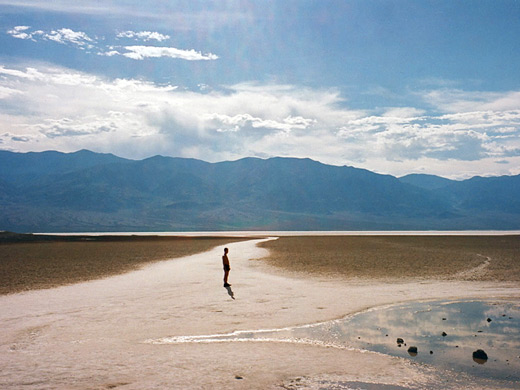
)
(445, 333)
(276, 233)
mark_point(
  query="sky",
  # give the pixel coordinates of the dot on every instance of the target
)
(396, 87)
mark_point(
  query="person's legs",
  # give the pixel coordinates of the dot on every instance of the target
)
(226, 274)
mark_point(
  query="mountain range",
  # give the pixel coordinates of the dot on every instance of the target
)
(86, 191)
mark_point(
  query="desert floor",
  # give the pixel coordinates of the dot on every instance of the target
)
(30, 262)
(103, 333)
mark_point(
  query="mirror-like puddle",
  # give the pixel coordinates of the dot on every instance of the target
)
(445, 334)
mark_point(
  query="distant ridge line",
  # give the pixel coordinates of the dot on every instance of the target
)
(87, 191)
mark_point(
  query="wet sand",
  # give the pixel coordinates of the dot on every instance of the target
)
(97, 334)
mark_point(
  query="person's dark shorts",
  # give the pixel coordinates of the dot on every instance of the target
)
(227, 267)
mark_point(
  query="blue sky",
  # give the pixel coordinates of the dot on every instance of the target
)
(396, 87)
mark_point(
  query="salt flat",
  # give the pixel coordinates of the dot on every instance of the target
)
(96, 334)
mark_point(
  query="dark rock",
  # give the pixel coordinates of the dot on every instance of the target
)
(400, 340)
(489, 319)
(412, 351)
(480, 356)
(444, 334)
(431, 352)
(480, 353)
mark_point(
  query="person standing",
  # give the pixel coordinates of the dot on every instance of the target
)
(227, 268)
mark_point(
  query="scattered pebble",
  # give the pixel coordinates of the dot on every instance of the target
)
(444, 334)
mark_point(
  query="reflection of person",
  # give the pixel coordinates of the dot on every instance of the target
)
(227, 268)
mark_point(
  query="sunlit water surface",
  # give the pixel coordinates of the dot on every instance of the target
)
(445, 334)
(274, 233)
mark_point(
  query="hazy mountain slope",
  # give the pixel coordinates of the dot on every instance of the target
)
(428, 182)
(86, 191)
(20, 167)
(485, 194)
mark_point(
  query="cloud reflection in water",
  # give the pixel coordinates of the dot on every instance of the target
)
(445, 333)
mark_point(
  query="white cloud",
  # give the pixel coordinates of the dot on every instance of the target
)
(234, 123)
(56, 108)
(66, 127)
(20, 32)
(5, 92)
(66, 35)
(403, 112)
(142, 52)
(463, 137)
(109, 53)
(53, 76)
(14, 138)
(62, 36)
(81, 40)
(459, 101)
(144, 35)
